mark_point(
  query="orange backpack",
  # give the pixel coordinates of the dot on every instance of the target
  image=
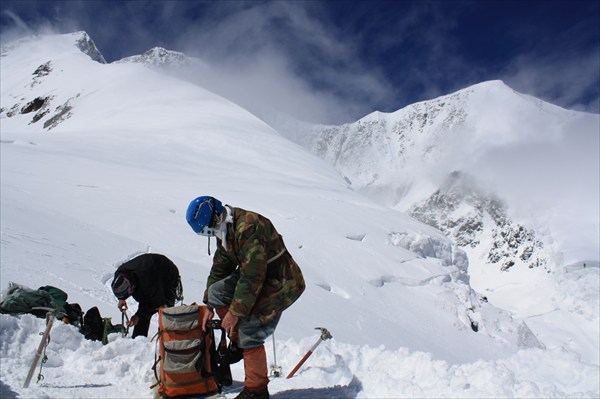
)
(186, 367)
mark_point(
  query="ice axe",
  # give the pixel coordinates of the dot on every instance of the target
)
(325, 335)
(51, 313)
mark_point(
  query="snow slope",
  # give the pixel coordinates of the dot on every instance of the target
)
(539, 158)
(513, 181)
(110, 176)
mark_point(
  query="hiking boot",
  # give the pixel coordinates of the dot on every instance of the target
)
(246, 394)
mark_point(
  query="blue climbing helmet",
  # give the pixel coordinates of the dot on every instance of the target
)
(201, 215)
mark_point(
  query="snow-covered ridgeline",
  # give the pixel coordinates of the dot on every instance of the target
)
(113, 178)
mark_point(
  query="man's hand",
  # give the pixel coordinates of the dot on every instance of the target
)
(134, 320)
(207, 316)
(229, 324)
(122, 305)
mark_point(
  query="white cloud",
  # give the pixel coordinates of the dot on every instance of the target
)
(284, 55)
(308, 60)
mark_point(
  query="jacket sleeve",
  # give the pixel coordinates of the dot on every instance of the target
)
(222, 267)
(253, 269)
(145, 310)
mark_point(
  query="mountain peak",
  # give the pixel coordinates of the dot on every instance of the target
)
(158, 57)
(161, 52)
(50, 45)
(515, 146)
(496, 83)
(87, 46)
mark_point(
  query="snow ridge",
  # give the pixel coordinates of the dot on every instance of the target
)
(158, 57)
(170, 62)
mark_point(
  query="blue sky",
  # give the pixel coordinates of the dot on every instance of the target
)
(341, 60)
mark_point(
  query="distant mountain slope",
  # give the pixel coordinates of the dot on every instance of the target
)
(511, 180)
(111, 177)
(28, 98)
(355, 152)
(523, 150)
(61, 81)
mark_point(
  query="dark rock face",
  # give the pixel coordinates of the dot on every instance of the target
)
(34, 105)
(41, 106)
(88, 47)
(63, 112)
(43, 70)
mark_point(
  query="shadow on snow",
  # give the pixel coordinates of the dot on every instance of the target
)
(349, 391)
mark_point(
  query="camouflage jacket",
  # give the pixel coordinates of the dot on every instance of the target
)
(268, 283)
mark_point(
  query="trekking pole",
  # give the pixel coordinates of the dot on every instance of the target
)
(275, 369)
(325, 335)
(45, 339)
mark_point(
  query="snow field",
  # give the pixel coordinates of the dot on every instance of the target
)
(114, 180)
(80, 368)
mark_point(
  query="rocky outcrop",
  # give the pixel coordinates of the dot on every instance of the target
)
(47, 110)
(170, 62)
(41, 106)
(466, 213)
(88, 47)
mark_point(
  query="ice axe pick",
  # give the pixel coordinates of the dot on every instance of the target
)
(325, 335)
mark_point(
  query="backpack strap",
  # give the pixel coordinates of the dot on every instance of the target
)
(157, 359)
